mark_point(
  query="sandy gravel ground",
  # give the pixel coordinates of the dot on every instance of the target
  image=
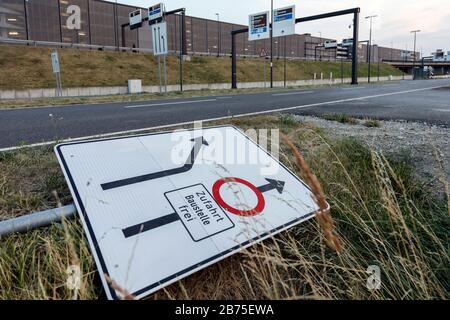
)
(428, 145)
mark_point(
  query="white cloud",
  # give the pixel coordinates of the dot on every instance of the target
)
(396, 18)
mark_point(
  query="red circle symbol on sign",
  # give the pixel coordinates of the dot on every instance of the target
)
(245, 213)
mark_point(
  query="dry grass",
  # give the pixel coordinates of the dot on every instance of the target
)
(372, 123)
(340, 117)
(383, 217)
(29, 67)
(323, 216)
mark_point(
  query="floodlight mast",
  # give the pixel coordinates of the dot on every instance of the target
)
(370, 44)
(414, 52)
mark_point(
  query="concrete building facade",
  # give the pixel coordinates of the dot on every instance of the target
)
(97, 22)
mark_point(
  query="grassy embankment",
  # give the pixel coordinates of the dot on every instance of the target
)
(383, 215)
(29, 67)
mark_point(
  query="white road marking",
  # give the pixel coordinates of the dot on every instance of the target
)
(103, 135)
(168, 103)
(353, 88)
(442, 110)
(289, 93)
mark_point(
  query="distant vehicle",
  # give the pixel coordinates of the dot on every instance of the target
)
(347, 42)
(328, 44)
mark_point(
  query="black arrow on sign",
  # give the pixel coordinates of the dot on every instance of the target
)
(273, 184)
(169, 218)
(150, 224)
(156, 44)
(198, 142)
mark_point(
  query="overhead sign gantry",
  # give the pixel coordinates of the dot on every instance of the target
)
(353, 11)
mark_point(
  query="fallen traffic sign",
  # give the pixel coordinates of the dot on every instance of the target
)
(161, 206)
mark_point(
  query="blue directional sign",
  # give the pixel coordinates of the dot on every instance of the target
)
(155, 13)
(55, 62)
(284, 21)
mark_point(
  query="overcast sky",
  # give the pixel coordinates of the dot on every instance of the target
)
(396, 18)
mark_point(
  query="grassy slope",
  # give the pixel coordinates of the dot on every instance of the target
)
(382, 214)
(28, 67)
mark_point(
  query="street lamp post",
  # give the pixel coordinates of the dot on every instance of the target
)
(392, 48)
(414, 52)
(370, 43)
(218, 35)
(284, 62)
(271, 43)
(320, 43)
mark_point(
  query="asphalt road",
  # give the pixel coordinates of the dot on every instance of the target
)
(425, 101)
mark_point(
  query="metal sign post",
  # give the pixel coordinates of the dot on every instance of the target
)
(57, 72)
(159, 37)
(165, 75)
(159, 74)
(284, 67)
(263, 54)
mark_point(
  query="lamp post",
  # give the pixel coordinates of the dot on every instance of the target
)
(271, 43)
(320, 42)
(370, 42)
(218, 35)
(392, 48)
(414, 52)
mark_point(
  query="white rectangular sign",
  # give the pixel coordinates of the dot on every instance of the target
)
(258, 26)
(135, 19)
(347, 42)
(329, 44)
(55, 62)
(155, 12)
(159, 37)
(158, 207)
(283, 21)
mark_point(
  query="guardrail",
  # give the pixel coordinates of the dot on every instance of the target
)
(52, 44)
(103, 91)
(71, 45)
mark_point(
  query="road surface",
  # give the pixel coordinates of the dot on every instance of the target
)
(425, 101)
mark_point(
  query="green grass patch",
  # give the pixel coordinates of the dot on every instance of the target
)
(372, 123)
(340, 117)
(26, 67)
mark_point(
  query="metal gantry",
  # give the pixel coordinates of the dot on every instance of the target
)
(354, 11)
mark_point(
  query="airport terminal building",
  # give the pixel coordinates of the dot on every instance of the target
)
(99, 23)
